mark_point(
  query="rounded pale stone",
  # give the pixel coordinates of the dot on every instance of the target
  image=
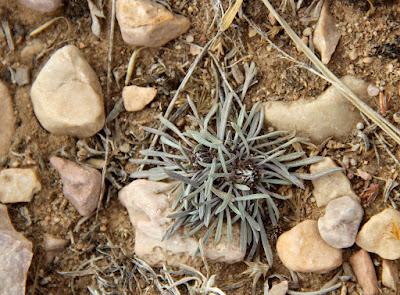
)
(146, 23)
(18, 185)
(7, 120)
(381, 234)
(66, 95)
(81, 184)
(42, 5)
(339, 226)
(302, 249)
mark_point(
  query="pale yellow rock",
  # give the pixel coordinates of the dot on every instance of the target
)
(147, 23)
(329, 115)
(148, 204)
(302, 249)
(66, 95)
(390, 274)
(331, 186)
(136, 98)
(326, 35)
(380, 234)
(15, 256)
(18, 185)
(7, 120)
(365, 272)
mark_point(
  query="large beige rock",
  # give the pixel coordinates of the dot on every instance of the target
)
(81, 184)
(365, 272)
(66, 95)
(18, 185)
(42, 5)
(7, 120)
(330, 114)
(147, 23)
(381, 234)
(148, 205)
(302, 249)
(136, 98)
(331, 186)
(326, 35)
(15, 256)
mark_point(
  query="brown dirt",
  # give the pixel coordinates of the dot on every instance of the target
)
(362, 52)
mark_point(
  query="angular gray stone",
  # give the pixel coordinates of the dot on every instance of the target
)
(331, 186)
(15, 256)
(7, 120)
(339, 226)
(81, 184)
(66, 95)
(148, 204)
(331, 114)
(147, 23)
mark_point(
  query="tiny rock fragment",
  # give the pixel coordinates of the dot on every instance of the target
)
(53, 246)
(365, 272)
(7, 120)
(136, 98)
(15, 256)
(149, 204)
(147, 23)
(373, 90)
(390, 274)
(339, 226)
(66, 95)
(302, 249)
(18, 185)
(329, 115)
(326, 35)
(381, 234)
(279, 289)
(43, 6)
(81, 184)
(21, 76)
(331, 186)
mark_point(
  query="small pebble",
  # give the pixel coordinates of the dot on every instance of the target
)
(360, 126)
(18, 185)
(353, 162)
(372, 90)
(365, 272)
(307, 32)
(136, 98)
(189, 38)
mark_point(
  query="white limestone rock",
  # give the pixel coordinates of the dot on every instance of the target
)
(148, 204)
(329, 115)
(67, 96)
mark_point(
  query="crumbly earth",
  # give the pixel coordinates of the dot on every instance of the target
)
(367, 50)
